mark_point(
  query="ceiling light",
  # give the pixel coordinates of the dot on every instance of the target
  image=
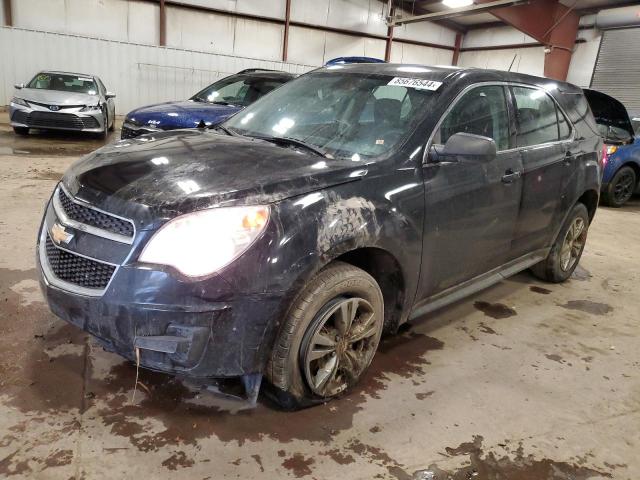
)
(457, 3)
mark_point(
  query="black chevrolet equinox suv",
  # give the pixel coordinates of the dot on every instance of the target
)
(285, 242)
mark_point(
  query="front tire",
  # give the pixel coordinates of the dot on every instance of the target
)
(105, 129)
(567, 249)
(21, 130)
(328, 339)
(620, 188)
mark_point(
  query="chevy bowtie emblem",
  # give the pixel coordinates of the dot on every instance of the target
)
(60, 235)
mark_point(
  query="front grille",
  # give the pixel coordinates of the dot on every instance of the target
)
(95, 218)
(57, 120)
(78, 270)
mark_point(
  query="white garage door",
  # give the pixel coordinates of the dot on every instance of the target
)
(617, 71)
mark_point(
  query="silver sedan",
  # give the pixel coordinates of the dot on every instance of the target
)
(63, 101)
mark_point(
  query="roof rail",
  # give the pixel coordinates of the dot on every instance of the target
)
(250, 70)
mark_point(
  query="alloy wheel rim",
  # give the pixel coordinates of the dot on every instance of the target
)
(573, 244)
(623, 188)
(341, 345)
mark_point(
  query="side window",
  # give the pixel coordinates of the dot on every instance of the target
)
(563, 125)
(537, 118)
(481, 111)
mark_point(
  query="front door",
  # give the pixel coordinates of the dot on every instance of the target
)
(471, 208)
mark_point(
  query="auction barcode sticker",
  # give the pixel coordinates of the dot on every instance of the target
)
(417, 83)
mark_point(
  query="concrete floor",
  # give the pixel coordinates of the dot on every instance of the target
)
(523, 381)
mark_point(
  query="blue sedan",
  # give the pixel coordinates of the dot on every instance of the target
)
(207, 108)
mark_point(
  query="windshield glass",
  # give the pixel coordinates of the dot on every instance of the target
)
(344, 114)
(636, 125)
(63, 82)
(238, 90)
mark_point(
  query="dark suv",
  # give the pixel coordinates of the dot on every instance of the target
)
(348, 201)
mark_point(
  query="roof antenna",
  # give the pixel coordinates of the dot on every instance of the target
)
(514, 59)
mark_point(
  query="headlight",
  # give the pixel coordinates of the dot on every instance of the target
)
(611, 149)
(203, 242)
(91, 108)
(19, 101)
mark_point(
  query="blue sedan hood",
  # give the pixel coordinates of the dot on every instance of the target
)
(182, 114)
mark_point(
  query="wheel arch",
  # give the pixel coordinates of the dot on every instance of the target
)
(590, 200)
(387, 272)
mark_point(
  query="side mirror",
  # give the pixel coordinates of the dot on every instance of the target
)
(109, 95)
(19, 86)
(470, 147)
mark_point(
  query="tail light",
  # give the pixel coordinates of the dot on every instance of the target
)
(604, 158)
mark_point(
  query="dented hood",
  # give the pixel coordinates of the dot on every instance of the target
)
(608, 111)
(173, 173)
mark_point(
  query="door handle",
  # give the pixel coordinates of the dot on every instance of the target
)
(510, 176)
(568, 159)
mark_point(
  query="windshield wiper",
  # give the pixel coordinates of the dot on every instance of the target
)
(226, 130)
(290, 141)
(222, 102)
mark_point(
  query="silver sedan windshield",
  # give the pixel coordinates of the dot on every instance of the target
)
(64, 83)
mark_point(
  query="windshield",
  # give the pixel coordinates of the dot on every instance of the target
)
(344, 114)
(63, 82)
(238, 90)
(636, 125)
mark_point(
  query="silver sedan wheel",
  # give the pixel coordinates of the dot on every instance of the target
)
(340, 346)
(573, 244)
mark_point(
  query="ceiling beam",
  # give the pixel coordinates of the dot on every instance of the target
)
(456, 12)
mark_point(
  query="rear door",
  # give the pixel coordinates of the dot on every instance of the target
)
(471, 208)
(544, 137)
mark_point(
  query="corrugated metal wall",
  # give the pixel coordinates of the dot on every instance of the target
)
(617, 71)
(138, 74)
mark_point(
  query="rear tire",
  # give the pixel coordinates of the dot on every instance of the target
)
(620, 188)
(328, 339)
(567, 249)
(21, 130)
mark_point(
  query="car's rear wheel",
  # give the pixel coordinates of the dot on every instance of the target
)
(567, 249)
(329, 337)
(21, 130)
(620, 188)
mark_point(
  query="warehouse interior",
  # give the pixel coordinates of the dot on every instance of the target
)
(524, 380)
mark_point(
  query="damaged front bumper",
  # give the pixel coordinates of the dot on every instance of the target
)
(202, 329)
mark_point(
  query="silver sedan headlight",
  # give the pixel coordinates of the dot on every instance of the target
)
(91, 108)
(19, 101)
(201, 243)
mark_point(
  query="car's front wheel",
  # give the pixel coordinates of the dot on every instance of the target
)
(620, 188)
(105, 125)
(328, 338)
(21, 130)
(567, 249)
